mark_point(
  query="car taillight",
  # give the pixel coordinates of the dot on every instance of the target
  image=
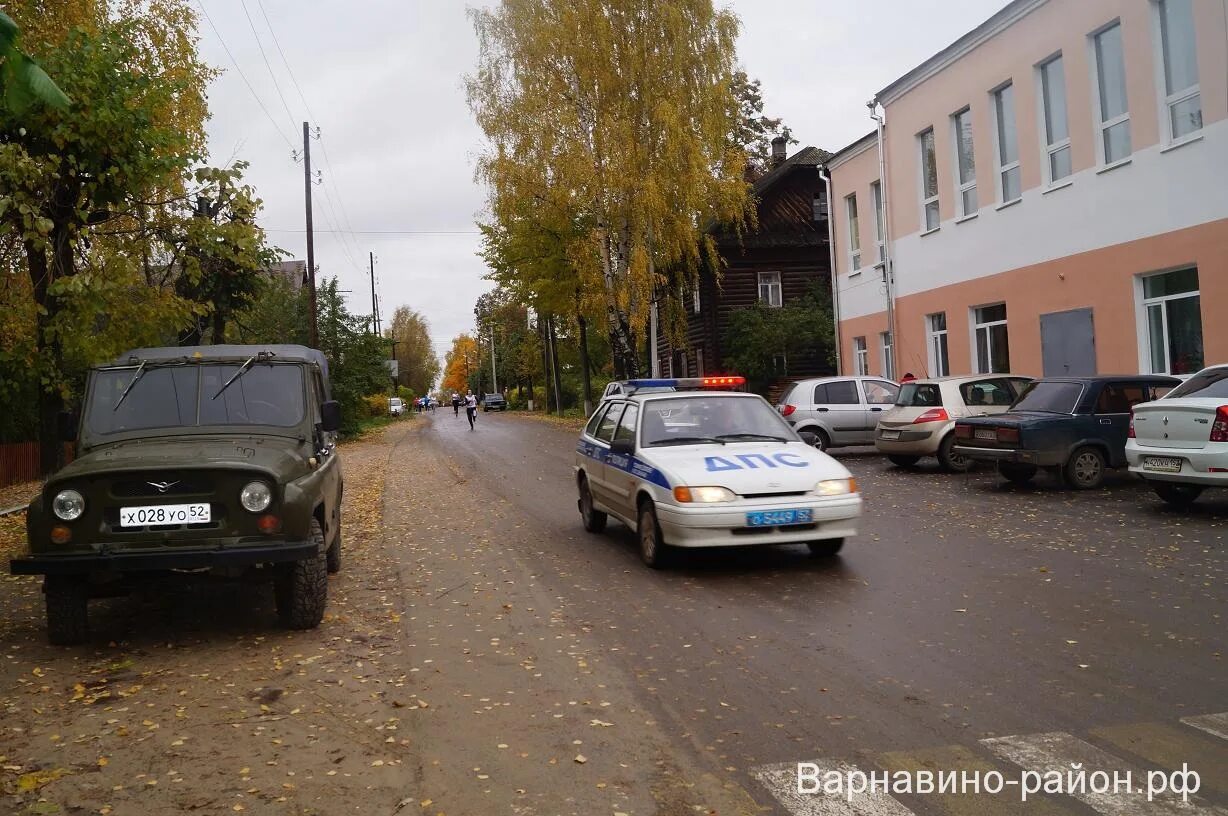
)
(1130, 432)
(963, 431)
(932, 415)
(788, 410)
(1010, 435)
(1219, 428)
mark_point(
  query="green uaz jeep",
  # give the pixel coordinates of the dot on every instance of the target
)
(208, 458)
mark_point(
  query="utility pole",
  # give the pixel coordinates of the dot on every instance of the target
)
(311, 248)
(374, 310)
(494, 376)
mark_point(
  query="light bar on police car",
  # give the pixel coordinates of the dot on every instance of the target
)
(688, 382)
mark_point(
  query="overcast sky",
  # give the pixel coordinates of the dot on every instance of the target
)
(382, 79)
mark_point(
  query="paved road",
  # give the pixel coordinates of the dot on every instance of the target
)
(970, 626)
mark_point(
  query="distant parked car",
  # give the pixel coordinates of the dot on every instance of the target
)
(494, 402)
(1074, 426)
(1179, 445)
(829, 412)
(395, 406)
(922, 421)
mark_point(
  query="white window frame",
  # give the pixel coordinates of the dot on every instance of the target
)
(1168, 101)
(853, 215)
(695, 299)
(1004, 169)
(772, 282)
(926, 202)
(1049, 150)
(1103, 127)
(962, 187)
(977, 325)
(699, 362)
(886, 354)
(876, 201)
(1144, 323)
(861, 357)
(939, 355)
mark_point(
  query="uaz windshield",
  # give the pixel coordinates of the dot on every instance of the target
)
(183, 395)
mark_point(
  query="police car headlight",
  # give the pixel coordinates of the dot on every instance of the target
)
(703, 495)
(68, 505)
(836, 487)
(255, 496)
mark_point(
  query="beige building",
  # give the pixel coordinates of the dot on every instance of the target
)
(1055, 198)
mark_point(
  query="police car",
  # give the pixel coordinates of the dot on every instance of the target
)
(687, 465)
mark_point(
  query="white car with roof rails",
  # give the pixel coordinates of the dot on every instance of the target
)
(696, 467)
(1179, 444)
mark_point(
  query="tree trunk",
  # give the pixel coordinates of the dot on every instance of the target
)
(554, 365)
(541, 328)
(219, 324)
(588, 382)
(43, 272)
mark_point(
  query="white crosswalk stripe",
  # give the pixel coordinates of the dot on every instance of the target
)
(1057, 751)
(781, 782)
(1216, 724)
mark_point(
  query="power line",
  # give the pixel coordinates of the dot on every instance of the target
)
(267, 65)
(387, 232)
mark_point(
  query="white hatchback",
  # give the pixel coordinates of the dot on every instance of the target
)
(709, 469)
(1179, 444)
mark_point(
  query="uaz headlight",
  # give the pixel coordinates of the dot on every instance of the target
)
(68, 505)
(255, 496)
(836, 487)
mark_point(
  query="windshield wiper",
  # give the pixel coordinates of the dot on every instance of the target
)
(243, 368)
(140, 372)
(768, 437)
(686, 440)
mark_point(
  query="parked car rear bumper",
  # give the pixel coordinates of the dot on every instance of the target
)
(911, 441)
(167, 558)
(1013, 456)
(1196, 464)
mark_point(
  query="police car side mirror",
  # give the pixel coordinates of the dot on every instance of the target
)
(623, 447)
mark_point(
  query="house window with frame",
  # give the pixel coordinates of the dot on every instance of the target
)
(888, 358)
(936, 334)
(861, 357)
(876, 200)
(965, 162)
(1182, 99)
(1056, 125)
(992, 343)
(770, 291)
(1113, 114)
(1009, 182)
(818, 207)
(850, 202)
(1172, 309)
(930, 216)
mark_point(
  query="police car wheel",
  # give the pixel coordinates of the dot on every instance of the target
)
(594, 520)
(653, 551)
(825, 549)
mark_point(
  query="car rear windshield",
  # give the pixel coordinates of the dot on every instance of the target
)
(919, 395)
(186, 395)
(1212, 383)
(1050, 397)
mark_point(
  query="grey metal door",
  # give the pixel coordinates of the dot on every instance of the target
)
(1068, 343)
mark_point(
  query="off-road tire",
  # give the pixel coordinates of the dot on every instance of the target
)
(949, 460)
(825, 549)
(900, 460)
(1016, 473)
(654, 552)
(1085, 468)
(1177, 495)
(67, 599)
(594, 520)
(301, 588)
(333, 557)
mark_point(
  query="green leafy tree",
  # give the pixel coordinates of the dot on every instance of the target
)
(277, 314)
(23, 82)
(759, 335)
(417, 365)
(754, 132)
(356, 358)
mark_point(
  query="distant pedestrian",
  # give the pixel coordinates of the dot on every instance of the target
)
(907, 378)
(471, 408)
(456, 401)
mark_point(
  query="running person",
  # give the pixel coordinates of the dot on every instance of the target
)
(471, 408)
(456, 401)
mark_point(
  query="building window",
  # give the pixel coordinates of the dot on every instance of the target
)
(854, 233)
(818, 207)
(1114, 110)
(1056, 126)
(1008, 143)
(888, 361)
(992, 347)
(861, 357)
(936, 331)
(769, 289)
(1182, 100)
(695, 299)
(1174, 322)
(929, 181)
(699, 362)
(876, 199)
(965, 163)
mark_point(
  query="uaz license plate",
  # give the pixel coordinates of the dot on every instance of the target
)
(156, 515)
(775, 518)
(1163, 464)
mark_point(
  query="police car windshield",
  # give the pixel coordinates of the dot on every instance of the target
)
(707, 419)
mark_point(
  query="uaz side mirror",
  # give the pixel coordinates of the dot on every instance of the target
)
(66, 425)
(330, 415)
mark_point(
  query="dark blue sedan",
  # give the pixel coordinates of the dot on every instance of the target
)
(1075, 427)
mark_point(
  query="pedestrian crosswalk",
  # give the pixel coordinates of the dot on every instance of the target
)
(1047, 773)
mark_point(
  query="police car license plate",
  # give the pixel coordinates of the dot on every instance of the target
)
(775, 518)
(1163, 464)
(155, 515)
